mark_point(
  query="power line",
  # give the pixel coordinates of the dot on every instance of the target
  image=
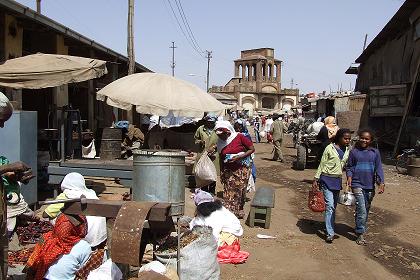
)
(187, 25)
(182, 30)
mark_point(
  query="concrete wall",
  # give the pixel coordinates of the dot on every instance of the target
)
(350, 120)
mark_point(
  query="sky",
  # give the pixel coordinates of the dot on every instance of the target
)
(316, 40)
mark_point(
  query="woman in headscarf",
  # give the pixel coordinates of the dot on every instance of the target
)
(62, 250)
(326, 134)
(235, 151)
(329, 130)
(225, 226)
(73, 186)
(240, 127)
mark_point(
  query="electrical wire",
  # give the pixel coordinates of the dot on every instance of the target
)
(183, 32)
(187, 25)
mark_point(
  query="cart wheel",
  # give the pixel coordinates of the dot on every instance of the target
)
(301, 158)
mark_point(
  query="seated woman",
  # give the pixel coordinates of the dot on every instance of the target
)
(62, 251)
(73, 186)
(225, 225)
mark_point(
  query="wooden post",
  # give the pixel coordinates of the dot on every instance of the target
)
(408, 106)
(130, 48)
(38, 6)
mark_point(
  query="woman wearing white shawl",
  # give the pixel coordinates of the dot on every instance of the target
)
(235, 150)
(73, 186)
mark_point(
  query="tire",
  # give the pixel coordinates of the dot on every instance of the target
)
(401, 163)
(301, 157)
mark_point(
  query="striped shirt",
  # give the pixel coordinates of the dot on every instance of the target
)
(364, 166)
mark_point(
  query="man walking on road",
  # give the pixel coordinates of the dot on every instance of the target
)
(277, 131)
(257, 130)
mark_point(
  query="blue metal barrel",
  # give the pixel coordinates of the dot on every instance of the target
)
(159, 175)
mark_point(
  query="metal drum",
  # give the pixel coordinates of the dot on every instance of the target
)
(413, 167)
(111, 143)
(159, 175)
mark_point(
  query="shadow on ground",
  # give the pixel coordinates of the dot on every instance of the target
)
(308, 226)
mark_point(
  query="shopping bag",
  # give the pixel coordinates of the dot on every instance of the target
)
(251, 184)
(231, 253)
(316, 201)
(204, 171)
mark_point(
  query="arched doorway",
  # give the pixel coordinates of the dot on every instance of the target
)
(267, 103)
(287, 104)
(248, 103)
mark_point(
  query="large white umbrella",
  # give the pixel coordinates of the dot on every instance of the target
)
(159, 94)
(49, 70)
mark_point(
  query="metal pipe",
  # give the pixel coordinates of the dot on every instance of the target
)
(48, 202)
(178, 249)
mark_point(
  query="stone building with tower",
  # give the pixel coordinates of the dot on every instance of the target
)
(257, 82)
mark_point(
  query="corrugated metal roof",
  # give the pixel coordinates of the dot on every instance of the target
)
(58, 27)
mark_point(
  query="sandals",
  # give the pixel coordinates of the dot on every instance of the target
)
(361, 240)
(329, 239)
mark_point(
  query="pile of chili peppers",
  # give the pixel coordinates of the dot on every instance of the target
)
(32, 232)
(19, 257)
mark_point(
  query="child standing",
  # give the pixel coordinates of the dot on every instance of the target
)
(364, 169)
(329, 174)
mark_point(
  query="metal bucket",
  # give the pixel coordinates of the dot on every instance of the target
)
(413, 167)
(159, 175)
(111, 143)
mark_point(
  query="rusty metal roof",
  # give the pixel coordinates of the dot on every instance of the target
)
(33, 16)
(397, 24)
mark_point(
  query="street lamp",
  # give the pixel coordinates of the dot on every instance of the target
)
(200, 76)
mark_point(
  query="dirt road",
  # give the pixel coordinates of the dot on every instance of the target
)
(299, 251)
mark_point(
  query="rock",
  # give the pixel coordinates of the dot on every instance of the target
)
(379, 253)
(415, 266)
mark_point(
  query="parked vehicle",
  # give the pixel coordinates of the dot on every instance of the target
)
(307, 150)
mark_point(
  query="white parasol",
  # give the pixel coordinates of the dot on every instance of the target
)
(159, 94)
(49, 70)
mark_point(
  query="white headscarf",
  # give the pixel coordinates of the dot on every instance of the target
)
(74, 186)
(4, 101)
(221, 143)
(5, 105)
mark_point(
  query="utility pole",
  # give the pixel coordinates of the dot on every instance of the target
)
(38, 6)
(208, 67)
(173, 58)
(130, 48)
(130, 38)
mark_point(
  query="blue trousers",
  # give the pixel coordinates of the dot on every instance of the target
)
(363, 201)
(331, 199)
(257, 136)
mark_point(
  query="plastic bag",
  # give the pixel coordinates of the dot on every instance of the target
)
(204, 171)
(199, 258)
(316, 201)
(251, 184)
(231, 253)
(107, 271)
(263, 134)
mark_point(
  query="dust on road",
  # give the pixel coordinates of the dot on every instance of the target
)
(299, 252)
